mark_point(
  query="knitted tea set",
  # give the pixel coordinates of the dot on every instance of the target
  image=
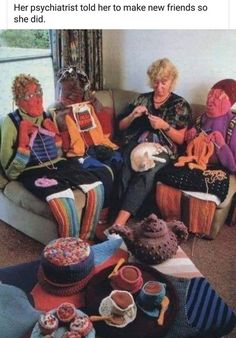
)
(126, 295)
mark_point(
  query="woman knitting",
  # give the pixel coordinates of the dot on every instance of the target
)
(159, 116)
(31, 153)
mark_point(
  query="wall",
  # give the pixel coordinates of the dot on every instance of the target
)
(202, 57)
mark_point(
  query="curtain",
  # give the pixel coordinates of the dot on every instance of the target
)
(82, 48)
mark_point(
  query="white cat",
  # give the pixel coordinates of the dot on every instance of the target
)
(145, 155)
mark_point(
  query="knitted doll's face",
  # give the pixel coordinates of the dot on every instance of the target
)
(71, 92)
(218, 103)
(32, 101)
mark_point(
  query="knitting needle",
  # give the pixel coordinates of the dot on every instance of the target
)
(217, 145)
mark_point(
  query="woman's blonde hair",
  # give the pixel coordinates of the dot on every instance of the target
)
(162, 69)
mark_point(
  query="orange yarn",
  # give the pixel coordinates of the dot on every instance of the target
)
(198, 153)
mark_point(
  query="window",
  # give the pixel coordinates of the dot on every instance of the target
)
(25, 51)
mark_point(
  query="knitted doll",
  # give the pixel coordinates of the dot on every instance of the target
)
(31, 153)
(219, 122)
(217, 125)
(79, 122)
(198, 153)
(85, 142)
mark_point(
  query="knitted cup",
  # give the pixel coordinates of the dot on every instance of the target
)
(150, 297)
(127, 278)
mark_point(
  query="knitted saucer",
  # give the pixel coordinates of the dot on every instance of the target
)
(67, 264)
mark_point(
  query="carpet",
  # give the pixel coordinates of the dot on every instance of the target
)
(214, 258)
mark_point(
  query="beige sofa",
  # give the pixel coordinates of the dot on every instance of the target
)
(23, 211)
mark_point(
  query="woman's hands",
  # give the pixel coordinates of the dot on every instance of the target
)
(139, 111)
(157, 122)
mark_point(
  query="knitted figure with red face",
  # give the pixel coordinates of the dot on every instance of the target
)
(31, 153)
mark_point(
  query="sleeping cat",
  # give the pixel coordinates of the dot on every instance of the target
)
(145, 155)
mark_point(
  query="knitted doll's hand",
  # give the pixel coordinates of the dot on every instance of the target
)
(26, 129)
(50, 125)
(217, 138)
(190, 135)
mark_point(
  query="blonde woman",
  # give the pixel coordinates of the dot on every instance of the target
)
(159, 116)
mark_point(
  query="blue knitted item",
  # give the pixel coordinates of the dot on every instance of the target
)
(105, 250)
(17, 316)
(206, 311)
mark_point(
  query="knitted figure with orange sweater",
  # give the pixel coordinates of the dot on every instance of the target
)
(86, 128)
(31, 153)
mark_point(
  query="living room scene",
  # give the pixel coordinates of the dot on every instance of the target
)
(118, 187)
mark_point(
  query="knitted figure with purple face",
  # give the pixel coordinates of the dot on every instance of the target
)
(216, 121)
(218, 124)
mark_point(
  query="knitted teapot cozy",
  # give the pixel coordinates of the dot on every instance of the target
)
(153, 241)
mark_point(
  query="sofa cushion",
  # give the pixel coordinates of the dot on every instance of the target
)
(15, 192)
(122, 98)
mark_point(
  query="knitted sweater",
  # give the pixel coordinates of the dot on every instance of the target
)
(14, 160)
(78, 137)
(226, 155)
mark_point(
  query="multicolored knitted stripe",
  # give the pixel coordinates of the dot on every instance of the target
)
(206, 311)
(92, 210)
(66, 215)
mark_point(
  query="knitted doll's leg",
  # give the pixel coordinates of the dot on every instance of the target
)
(206, 311)
(92, 210)
(62, 205)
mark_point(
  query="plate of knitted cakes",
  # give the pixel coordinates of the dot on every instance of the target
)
(64, 322)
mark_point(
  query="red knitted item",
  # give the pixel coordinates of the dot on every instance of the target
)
(45, 301)
(169, 202)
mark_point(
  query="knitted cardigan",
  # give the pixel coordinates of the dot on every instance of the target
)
(14, 159)
(77, 145)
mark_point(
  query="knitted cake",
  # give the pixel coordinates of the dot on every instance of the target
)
(81, 325)
(67, 264)
(71, 334)
(48, 323)
(66, 312)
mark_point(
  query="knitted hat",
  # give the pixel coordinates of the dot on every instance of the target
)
(229, 87)
(67, 264)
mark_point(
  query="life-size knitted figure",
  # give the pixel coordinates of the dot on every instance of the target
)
(31, 153)
(85, 143)
(217, 123)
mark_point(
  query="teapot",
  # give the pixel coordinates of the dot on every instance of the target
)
(152, 240)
